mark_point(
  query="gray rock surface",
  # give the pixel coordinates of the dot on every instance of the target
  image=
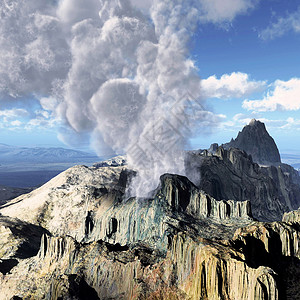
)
(256, 141)
(231, 174)
(77, 237)
(181, 244)
(87, 204)
(117, 161)
(176, 202)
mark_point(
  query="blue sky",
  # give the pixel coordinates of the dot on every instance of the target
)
(244, 46)
(247, 55)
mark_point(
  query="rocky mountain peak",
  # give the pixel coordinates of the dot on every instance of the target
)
(255, 122)
(256, 141)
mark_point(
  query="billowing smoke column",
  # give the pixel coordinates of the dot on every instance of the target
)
(111, 73)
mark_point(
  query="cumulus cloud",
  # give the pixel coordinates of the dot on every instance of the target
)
(218, 11)
(244, 119)
(16, 123)
(283, 95)
(144, 5)
(239, 120)
(20, 118)
(112, 75)
(33, 49)
(282, 25)
(291, 124)
(73, 11)
(234, 85)
(13, 113)
(214, 11)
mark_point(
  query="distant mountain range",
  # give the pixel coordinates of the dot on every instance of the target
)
(13, 154)
(24, 167)
(291, 159)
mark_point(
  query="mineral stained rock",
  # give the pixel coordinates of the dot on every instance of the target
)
(78, 237)
(180, 244)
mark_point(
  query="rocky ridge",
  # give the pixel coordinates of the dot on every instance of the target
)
(78, 237)
(231, 174)
(256, 141)
(184, 245)
(87, 204)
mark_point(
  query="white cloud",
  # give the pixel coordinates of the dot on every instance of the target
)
(234, 85)
(238, 121)
(143, 5)
(33, 48)
(214, 11)
(291, 124)
(112, 73)
(217, 11)
(285, 95)
(283, 24)
(16, 123)
(49, 103)
(73, 11)
(10, 114)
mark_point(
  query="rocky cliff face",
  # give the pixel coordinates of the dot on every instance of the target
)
(231, 174)
(90, 207)
(181, 244)
(292, 217)
(256, 141)
(248, 266)
(63, 204)
(78, 237)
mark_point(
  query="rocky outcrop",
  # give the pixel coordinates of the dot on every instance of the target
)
(90, 210)
(183, 196)
(155, 220)
(243, 268)
(180, 244)
(256, 141)
(292, 217)
(19, 239)
(117, 161)
(277, 246)
(207, 270)
(62, 204)
(231, 174)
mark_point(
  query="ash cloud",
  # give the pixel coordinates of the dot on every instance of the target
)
(110, 74)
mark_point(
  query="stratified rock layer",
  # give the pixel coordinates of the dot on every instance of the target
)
(231, 174)
(292, 217)
(247, 267)
(180, 244)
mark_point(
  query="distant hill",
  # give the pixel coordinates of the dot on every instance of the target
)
(9, 154)
(7, 193)
(291, 159)
(25, 167)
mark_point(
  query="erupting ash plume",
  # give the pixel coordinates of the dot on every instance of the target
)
(109, 72)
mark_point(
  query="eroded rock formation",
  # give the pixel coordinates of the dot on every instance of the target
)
(256, 141)
(231, 174)
(181, 244)
(78, 237)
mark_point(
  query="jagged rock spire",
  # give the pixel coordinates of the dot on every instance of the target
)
(256, 141)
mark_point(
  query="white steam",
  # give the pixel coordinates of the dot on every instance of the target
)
(112, 74)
